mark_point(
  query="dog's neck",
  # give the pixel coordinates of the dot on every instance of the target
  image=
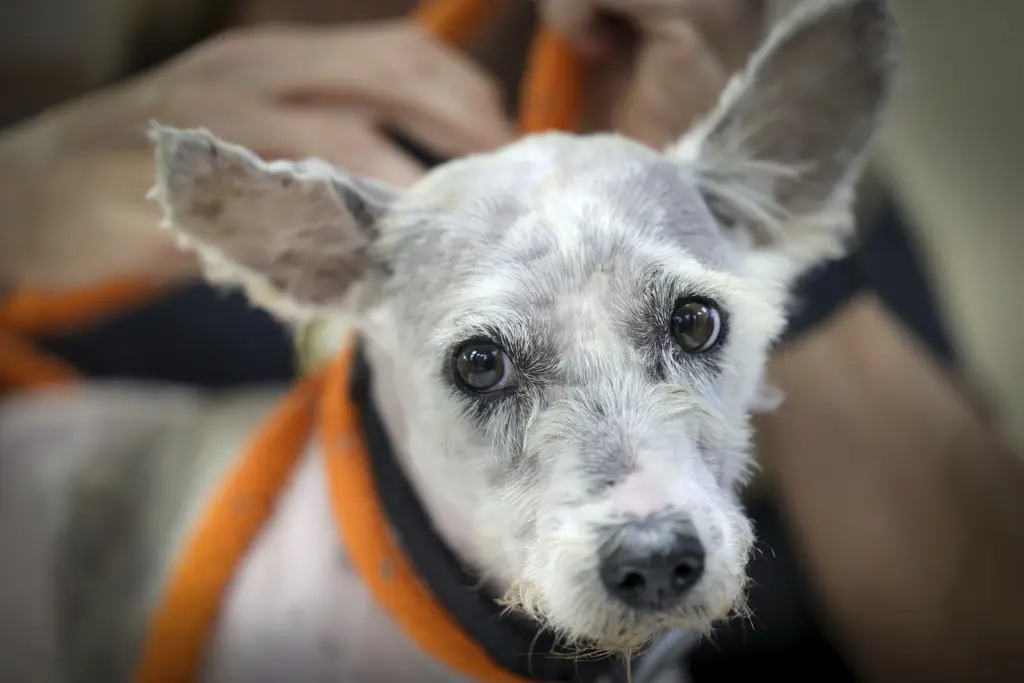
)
(450, 515)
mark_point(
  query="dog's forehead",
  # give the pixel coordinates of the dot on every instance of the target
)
(571, 202)
(576, 182)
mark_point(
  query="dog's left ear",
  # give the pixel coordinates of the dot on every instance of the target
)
(778, 160)
(297, 236)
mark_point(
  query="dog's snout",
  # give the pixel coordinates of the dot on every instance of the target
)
(651, 565)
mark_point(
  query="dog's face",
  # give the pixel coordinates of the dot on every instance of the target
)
(576, 327)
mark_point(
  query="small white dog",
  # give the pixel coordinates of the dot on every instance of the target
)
(566, 336)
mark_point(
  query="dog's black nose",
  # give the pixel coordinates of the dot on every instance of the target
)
(649, 568)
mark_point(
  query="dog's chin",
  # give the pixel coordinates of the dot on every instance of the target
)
(598, 624)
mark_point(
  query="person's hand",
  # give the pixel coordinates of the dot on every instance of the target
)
(656, 78)
(73, 182)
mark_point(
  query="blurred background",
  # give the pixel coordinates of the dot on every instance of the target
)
(941, 219)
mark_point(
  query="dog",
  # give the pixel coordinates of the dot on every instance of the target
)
(567, 338)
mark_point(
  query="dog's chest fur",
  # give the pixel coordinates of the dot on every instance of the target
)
(297, 605)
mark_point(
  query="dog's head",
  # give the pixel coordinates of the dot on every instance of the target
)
(575, 327)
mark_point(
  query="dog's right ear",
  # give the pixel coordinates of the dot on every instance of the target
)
(297, 236)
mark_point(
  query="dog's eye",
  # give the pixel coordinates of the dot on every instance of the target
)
(482, 366)
(696, 325)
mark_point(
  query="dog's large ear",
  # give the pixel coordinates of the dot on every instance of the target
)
(297, 236)
(778, 159)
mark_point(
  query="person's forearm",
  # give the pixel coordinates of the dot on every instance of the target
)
(905, 506)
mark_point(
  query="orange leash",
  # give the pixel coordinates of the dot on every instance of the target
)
(551, 101)
(187, 615)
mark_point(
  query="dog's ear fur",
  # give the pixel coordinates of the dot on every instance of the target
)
(778, 159)
(296, 236)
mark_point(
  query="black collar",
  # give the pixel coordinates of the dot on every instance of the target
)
(515, 643)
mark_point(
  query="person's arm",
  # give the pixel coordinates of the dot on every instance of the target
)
(905, 505)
